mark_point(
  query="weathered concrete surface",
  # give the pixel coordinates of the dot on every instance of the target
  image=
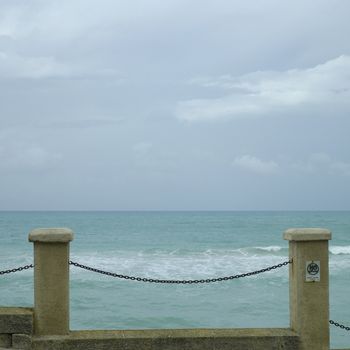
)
(21, 341)
(307, 234)
(188, 339)
(16, 320)
(51, 235)
(309, 301)
(51, 280)
(5, 340)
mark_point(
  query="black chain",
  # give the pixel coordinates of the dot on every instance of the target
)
(26, 267)
(339, 325)
(154, 280)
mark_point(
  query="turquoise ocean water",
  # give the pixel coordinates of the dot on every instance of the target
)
(177, 245)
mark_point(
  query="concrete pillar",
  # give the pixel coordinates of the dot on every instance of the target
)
(309, 286)
(51, 280)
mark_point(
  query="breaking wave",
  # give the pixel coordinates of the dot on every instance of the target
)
(340, 250)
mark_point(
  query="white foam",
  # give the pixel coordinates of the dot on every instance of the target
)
(261, 251)
(272, 248)
(187, 265)
(340, 250)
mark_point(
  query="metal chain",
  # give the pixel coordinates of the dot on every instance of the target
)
(154, 280)
(339, 325)
(151, 280)
(21, 268)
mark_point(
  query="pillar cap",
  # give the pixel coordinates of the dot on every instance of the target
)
(307, 234)
(51, 235)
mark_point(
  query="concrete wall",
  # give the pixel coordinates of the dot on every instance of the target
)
(16, 331)
(16, 327)
(189, 339)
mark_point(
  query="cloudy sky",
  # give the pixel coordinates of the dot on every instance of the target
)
(174, 105)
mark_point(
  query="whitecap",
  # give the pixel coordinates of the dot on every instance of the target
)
(272, 248)
(340, 250)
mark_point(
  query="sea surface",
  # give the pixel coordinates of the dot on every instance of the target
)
(177, 245)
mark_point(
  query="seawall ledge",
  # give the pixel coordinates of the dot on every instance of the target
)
(172, 339)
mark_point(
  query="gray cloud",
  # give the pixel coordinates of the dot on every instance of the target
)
(119, 105)
(17, 156)
(266, 92)
(15, 66)
(256, 165)
(83, 123)
(316, 163)
(323, 163)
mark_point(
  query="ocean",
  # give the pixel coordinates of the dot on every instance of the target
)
(177, 245)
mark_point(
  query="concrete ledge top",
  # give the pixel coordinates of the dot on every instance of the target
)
(15, 311)
(307, 234)
(51, 235)
(160, 339)
(173, 333)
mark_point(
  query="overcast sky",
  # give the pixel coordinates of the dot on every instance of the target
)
(174, 105)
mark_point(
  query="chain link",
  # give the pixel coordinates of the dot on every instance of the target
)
(154, 280)
(21, 268)
(197, 281)
(339, 325)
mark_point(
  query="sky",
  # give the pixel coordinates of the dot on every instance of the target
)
(174, 105)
